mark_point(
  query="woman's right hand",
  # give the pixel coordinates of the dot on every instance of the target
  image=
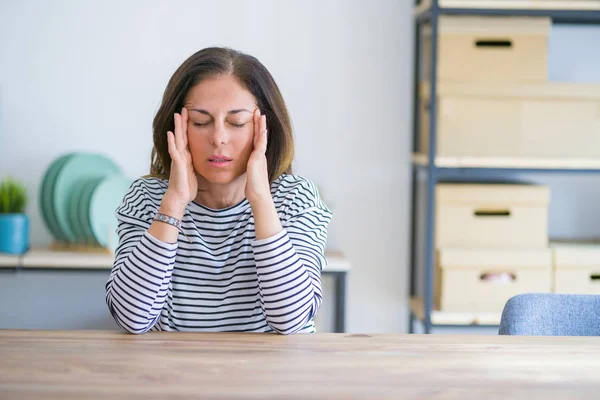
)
(183, 183)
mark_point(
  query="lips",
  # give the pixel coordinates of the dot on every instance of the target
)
(218, 158)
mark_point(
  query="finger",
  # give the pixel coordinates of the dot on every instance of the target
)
(256, 118)
(178, 140)
(263, 123)
(171, 145)
(184, 126)
(262, 138)
(262, 143)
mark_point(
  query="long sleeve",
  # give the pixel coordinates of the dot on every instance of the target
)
(137, 287)
(289, 264)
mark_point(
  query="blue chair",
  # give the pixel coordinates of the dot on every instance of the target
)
(550, 314)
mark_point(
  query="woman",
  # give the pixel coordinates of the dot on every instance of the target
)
(221, 236)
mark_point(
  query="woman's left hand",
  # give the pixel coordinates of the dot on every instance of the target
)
(257, 175)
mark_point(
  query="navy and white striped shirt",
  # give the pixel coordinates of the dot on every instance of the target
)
(225, 280)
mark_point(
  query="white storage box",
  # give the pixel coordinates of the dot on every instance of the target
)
(475, 280)
(491, 215)
(550, 120)
(489, 49)
(576, 268)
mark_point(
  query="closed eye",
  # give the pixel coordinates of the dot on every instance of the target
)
(208, 123)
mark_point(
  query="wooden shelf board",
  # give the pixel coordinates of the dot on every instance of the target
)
(45, 258)
(54, 259)
(9, 260)
(417, 305)
(337, 262)
(562, 5)
(508, 162)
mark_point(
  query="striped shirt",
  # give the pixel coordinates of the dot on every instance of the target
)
(225, 279)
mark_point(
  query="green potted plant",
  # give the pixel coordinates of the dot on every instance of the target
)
(14, 224)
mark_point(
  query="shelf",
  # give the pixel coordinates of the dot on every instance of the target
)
(518, 164)
(462, 168)
(561, 11)
(511, 5)
(336, 262)
(443, 318)
(52, 259)
(7, 260)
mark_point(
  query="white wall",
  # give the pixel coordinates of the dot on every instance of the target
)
(83, 75)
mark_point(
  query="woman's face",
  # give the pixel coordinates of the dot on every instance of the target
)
(220, 128)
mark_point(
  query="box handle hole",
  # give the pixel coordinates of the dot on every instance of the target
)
(492, 213)
(595, 277)
(498, 277)
(493, 43)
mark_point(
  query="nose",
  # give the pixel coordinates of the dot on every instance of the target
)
(219, 135)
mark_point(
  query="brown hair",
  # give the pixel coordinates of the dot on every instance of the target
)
(215, 61)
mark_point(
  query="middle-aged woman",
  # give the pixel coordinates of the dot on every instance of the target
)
(221, 236)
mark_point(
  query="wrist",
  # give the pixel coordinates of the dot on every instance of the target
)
(261, 201)
(260, 198)
(263, 206)
(266, 219)
(172, 206)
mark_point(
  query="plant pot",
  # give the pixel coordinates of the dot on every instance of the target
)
(14, 233)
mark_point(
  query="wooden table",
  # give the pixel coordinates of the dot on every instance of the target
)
(110, 365)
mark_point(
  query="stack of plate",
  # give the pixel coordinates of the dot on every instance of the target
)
(78, 198)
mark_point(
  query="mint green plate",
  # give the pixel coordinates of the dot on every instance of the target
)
(83, 209)
(105, 200)
(46, 195)
(74, 219)
(79, 167)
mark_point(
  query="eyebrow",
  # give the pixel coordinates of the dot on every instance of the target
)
(230, 112)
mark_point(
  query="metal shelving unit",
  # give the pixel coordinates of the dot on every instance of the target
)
(437, 169)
